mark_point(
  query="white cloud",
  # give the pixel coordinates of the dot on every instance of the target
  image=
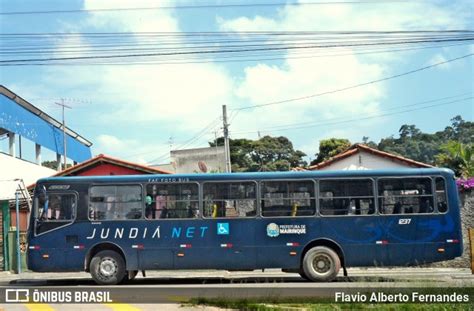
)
(135, 21)
(183, 98)
(167, 94)
(357, 17)
(191, 92)
(301, 77)
(133, 149)
(439, 58)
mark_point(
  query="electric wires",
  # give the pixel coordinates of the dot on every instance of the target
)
(151, 48)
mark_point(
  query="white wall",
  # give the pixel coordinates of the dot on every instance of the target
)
(364, 161)
(14, 168)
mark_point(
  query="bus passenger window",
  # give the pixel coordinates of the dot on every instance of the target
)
(172, 201)
(405, 195)
(230, 199)
(288, 198)
(346, 197)
(441, 195)
(57, 207)
(115, 202)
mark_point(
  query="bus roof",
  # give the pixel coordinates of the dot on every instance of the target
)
(253, 175)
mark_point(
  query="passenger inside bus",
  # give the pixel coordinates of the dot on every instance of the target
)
(150, 210)
(54, 207)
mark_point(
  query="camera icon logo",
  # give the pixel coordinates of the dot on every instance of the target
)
(17, 295)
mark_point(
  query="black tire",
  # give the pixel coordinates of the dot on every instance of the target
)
(107, 268)
(321, 264)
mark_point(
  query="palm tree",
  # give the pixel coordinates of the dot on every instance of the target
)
(457, 156)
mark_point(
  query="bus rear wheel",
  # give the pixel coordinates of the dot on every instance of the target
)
(321, 264)
(107, 268)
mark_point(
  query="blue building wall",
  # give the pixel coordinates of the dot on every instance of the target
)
(17, 119)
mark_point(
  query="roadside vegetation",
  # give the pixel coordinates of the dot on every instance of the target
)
(312, 304)
(451, 147)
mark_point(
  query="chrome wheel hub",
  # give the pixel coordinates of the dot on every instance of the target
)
(321, 264)
(107, 267)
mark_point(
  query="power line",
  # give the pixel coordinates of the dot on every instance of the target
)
(189, 141)
(356, 85)
(238, 48)
(358, 119)
(342, 118)
(256, 49)
(157, 45)
(203, 6)
(234, 59)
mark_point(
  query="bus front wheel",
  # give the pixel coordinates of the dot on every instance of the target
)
(107, 268)
(321, 264)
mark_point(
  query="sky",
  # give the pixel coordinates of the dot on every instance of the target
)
(139, 112)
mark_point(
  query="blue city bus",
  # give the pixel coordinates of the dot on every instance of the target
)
(311, 223)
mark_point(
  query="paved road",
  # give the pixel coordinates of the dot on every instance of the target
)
(357, 276)
(171, 286)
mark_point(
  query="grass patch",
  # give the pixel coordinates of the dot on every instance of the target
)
(328, 302)
(254, 304)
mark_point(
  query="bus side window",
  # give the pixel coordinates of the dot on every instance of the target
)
(405, 195)
(172, 201)
(288, 198)
(230, 199)
(54, 210)
(115, 202)
(346, 197)
(61, 207)
(441, 195)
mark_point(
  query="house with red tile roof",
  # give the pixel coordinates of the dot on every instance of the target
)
(107, 165)
(363, 157)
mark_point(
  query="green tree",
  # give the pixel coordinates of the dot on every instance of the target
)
(265, 154)
(240, 150)
(275, 154)
(414, 144)
(370, 143)
(50, 164)
(457, 156)
(53, 164)
(329, 148)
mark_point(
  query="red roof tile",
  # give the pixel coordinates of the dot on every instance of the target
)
(360, 147)
(101, 158)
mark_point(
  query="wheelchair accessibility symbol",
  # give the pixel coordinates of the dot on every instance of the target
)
(222, 228)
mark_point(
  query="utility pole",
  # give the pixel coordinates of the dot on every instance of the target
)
(63, 105)
(226, 140)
